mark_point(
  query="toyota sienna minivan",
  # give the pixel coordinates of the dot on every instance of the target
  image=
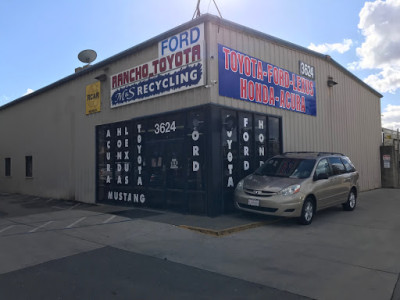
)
(298, 184)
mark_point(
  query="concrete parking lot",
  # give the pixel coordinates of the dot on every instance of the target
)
(53, 249)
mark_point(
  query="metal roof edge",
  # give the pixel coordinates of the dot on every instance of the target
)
(276, 40)
(107, 61)
(156, 39)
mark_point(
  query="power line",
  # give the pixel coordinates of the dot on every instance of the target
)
(217, 9)
(197, 10)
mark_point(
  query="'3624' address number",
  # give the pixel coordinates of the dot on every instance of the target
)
(306, 70)
(164, 127)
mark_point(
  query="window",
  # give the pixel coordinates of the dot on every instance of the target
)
(348, 164)
(260, 139)
(323, 168)
(287, 167)
(8, 166)
(28, 166)
(337, 165)
(274, 131)
(246, 144)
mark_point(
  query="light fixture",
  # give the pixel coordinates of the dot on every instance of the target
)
(331, 82)
(101, 77)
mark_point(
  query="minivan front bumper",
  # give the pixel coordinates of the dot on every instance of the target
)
(275, 205)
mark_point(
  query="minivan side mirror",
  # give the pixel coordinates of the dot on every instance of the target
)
(321, 176)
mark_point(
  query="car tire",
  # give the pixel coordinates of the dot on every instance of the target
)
(307, 212)
(351, 202)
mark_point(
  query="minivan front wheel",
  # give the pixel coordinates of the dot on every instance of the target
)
(307, 212)
(351, 202)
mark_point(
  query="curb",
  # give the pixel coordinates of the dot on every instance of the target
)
(227, 231)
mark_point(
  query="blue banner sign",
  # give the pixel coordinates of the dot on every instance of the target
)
(250, 79)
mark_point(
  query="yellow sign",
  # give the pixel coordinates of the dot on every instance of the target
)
(93, 98)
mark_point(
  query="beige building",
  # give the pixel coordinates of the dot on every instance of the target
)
(176, 121)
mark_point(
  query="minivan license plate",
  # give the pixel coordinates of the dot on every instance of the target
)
(253, 202)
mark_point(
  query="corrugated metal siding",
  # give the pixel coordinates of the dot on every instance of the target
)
(348, 117)
(40, 129)
(348, 114)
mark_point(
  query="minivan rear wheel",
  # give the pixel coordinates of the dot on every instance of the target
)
(307, 212)
(351, 202)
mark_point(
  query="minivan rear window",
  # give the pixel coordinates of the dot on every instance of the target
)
(286, 167)
(348, 164)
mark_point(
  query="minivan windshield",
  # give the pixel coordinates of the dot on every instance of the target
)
(286, 167)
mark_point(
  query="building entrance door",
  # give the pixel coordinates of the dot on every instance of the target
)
(166, 179)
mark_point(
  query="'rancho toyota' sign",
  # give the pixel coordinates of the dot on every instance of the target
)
(179, 67)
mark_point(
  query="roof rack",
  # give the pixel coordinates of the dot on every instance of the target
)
(330, 153)
(314, 152)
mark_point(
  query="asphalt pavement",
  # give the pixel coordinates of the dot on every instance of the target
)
(55, 249)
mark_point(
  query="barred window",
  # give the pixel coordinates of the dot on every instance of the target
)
(28, 166)
(7, 166)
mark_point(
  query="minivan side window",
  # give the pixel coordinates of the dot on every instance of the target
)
(323, 167)
(337, 165)
(348, 164)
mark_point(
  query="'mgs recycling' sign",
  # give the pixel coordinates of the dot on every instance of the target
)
(179, 67)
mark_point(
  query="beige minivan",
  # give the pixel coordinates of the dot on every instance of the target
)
(298, 184)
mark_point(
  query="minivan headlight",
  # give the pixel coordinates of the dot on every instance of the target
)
(240, 185)
(290, 190)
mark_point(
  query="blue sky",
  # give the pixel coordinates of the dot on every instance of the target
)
(40, 40)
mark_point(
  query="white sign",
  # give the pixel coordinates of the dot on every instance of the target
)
(181, 41)
(174, 164)
(386, 161)
(179, 67)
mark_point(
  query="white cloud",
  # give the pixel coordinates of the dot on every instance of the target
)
(4, 99)
(391, 117)
(353, 66)
(327, 48)
(386, 81)
(380, 23)
(28, 91)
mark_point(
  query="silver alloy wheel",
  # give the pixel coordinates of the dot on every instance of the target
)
(352, 200)
(308, 211)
